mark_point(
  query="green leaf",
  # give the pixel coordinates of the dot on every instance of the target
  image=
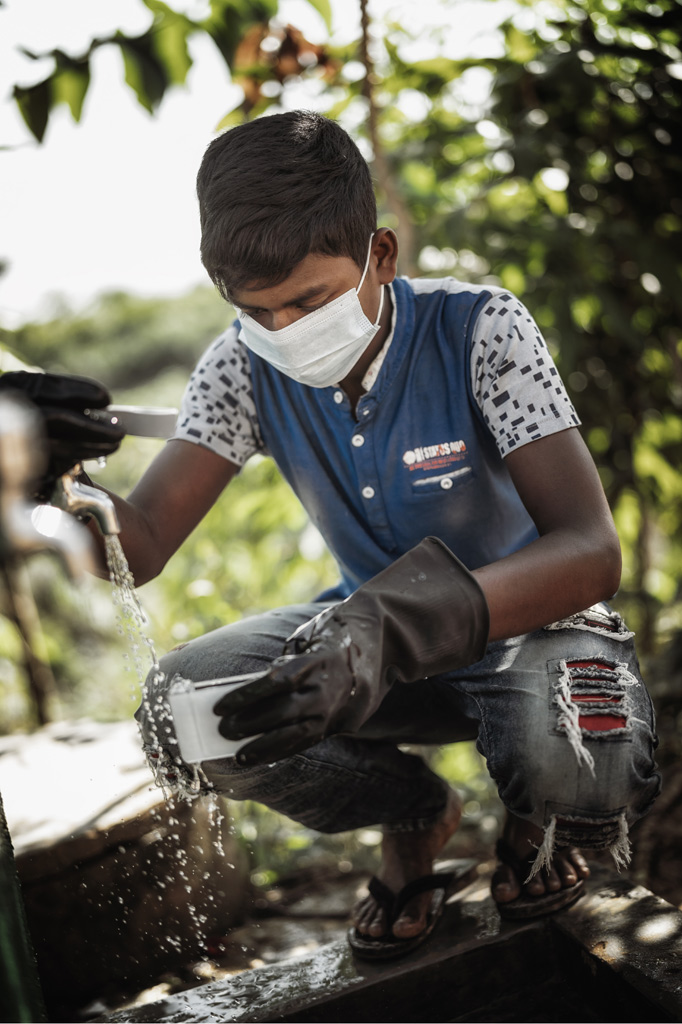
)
(169, 35)
(170, 44)
(229, 20)
(144, 72)
(34, 104)
(70, 84)
(324, 9)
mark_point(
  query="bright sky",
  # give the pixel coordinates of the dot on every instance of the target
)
(109, 203)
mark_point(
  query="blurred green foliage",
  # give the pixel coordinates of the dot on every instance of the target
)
(124, 340)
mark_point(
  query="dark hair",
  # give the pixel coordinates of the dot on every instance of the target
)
(277, 188)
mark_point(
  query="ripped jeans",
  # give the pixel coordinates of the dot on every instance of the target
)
(561, 716)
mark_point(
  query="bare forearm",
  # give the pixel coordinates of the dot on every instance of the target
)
(174, 494)
(555, 576)
(576, 560)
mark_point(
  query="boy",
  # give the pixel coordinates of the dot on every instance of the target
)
(424, 428)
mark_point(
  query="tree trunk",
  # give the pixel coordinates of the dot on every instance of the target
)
(394, 201)
(21, 610)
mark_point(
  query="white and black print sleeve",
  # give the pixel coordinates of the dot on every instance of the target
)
(515, 382)
(218, 410)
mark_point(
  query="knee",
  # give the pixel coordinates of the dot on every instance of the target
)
(577, 756)
(207, 657)
(589, 751)
(605, 718)
(212, 656)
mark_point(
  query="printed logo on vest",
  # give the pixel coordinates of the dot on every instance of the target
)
(435, 456)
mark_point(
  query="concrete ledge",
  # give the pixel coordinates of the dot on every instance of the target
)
(614, 956)
(634, 934)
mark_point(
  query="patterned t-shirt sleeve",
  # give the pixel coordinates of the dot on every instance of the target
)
(218, 409)
(515, 382)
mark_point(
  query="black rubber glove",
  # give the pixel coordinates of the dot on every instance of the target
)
(71, 434)
(423, 615)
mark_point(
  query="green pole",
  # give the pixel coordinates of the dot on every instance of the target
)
(21, 998)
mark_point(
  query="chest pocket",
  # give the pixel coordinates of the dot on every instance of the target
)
(444, 482)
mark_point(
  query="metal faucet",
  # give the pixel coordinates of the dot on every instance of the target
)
(24, 525)
(76, 497)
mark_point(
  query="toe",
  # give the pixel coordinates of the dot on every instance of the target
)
(579, 863)
(412, 920)
(553, 881)
(359, 912)
(567, 873)
(537, 885)
(406, 926)
(377, 924)
(504, 886)
(368, 918)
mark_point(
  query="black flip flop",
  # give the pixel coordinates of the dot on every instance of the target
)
(528, 907)
(388, 947)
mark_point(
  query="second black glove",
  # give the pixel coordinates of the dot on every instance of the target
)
(423, 615)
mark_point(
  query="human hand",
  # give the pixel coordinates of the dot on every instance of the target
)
(71, 434)
(423, 615)
(303, 697)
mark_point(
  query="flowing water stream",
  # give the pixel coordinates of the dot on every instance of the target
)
(131, 618)
(169, 774)
(141, 659)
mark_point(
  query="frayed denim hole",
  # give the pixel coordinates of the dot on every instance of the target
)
(608, 833)
(588, 700)
(595, 620)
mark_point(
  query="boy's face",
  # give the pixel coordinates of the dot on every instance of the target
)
(315, 281)
(319, 279)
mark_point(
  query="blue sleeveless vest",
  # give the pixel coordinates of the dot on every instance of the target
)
(416, 460)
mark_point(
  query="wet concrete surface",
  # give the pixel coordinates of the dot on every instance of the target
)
(616, 955)
(118, 883)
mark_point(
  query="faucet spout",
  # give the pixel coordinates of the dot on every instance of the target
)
(76, 497)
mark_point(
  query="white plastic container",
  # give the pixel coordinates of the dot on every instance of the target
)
(196, 726)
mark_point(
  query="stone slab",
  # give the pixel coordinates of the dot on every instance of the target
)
(72, 789)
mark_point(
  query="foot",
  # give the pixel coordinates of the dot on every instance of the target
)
(568, 865)
(404, 857)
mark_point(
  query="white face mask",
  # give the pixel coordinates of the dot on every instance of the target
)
(322, 347)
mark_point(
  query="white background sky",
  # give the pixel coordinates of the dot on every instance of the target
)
(109, 203)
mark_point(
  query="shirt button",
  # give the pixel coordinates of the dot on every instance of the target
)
(357, 440)
(446, 484)
(368, 492)
(365, 412)
(338, 397)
